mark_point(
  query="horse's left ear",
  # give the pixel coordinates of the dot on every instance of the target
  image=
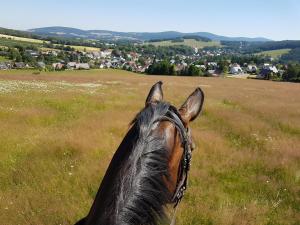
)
(156, 94)
(192, 107)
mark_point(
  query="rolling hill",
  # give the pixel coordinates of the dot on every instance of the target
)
(135, 36)
(188, 42)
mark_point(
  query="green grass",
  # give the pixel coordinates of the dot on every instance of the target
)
(188, 42)
(3, 59)
(59, 130)
(275, 53)
(11, 43)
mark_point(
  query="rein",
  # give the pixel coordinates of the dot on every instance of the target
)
(186, 142)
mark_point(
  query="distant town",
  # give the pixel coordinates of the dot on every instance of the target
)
(204, 57)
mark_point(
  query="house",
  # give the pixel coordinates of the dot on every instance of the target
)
(105, 54)
(235, 69)
(57, 66)
(41, 65)
(172, 61)
(203, 67)
(270, 67)
(212, 72)
(266, 71)
(212, 65)
(252, 69)
(19, 65)
(179, 67)
(32, 53)
(108, 64)
(3, 66)
(71, 65)
(96, 55)
(82, 66)
(90, 55)
(184, 64)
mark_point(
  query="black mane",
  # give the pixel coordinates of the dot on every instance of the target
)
(142, 191)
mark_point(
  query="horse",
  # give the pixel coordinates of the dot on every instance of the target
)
(148, 172)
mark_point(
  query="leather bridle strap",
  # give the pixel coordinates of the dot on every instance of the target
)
(174, 118)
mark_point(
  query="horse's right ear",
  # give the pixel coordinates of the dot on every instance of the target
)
(155, 95)
(192, 107)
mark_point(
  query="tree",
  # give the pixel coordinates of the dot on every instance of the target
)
(223, 66)
(14, 54)
(292, 73)
(192, 70)
(161, 68)
(116, 53)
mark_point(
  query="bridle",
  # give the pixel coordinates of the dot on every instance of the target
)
(174, 117)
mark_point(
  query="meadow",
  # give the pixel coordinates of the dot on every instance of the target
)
(23, 39)
(188, 42)
(275, 53)
(59, 131)
(11, 41)
(3, 59)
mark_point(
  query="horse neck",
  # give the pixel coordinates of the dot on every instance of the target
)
(103, 209)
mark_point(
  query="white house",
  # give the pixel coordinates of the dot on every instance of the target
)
(71, 65)
(251, 68)
(213, 65)
(266, 71)
(105, 54)
(82, 66)
(203, 67)
(236, 69)
(271, 68)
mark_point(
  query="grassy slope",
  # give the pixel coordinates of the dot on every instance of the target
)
(9, 41)
(275, 53)
(21, 39)
(57, 139)
(84, 48)
(189, 42)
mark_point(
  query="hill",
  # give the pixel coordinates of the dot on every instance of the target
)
(188, 42)
(135, 36)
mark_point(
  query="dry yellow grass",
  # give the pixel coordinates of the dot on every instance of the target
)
(22, 39)
(84, 48)
(57, 138)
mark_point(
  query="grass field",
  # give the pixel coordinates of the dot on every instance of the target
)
(59, 130)
(10, 41)
(275, 53)
(3, 59)
(22, 39)
(85, 48)
(188, 42)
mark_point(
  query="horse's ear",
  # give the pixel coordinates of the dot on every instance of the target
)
(191, 108)
(155, 95)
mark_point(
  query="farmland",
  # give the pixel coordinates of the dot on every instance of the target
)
(21, 39)
(59, 130)
(188, 42)
(275, 53)
(10, 41)
(85, 48)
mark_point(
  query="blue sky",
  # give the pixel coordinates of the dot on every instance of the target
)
(275, 19)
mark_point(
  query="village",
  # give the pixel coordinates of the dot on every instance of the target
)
(209, 62)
